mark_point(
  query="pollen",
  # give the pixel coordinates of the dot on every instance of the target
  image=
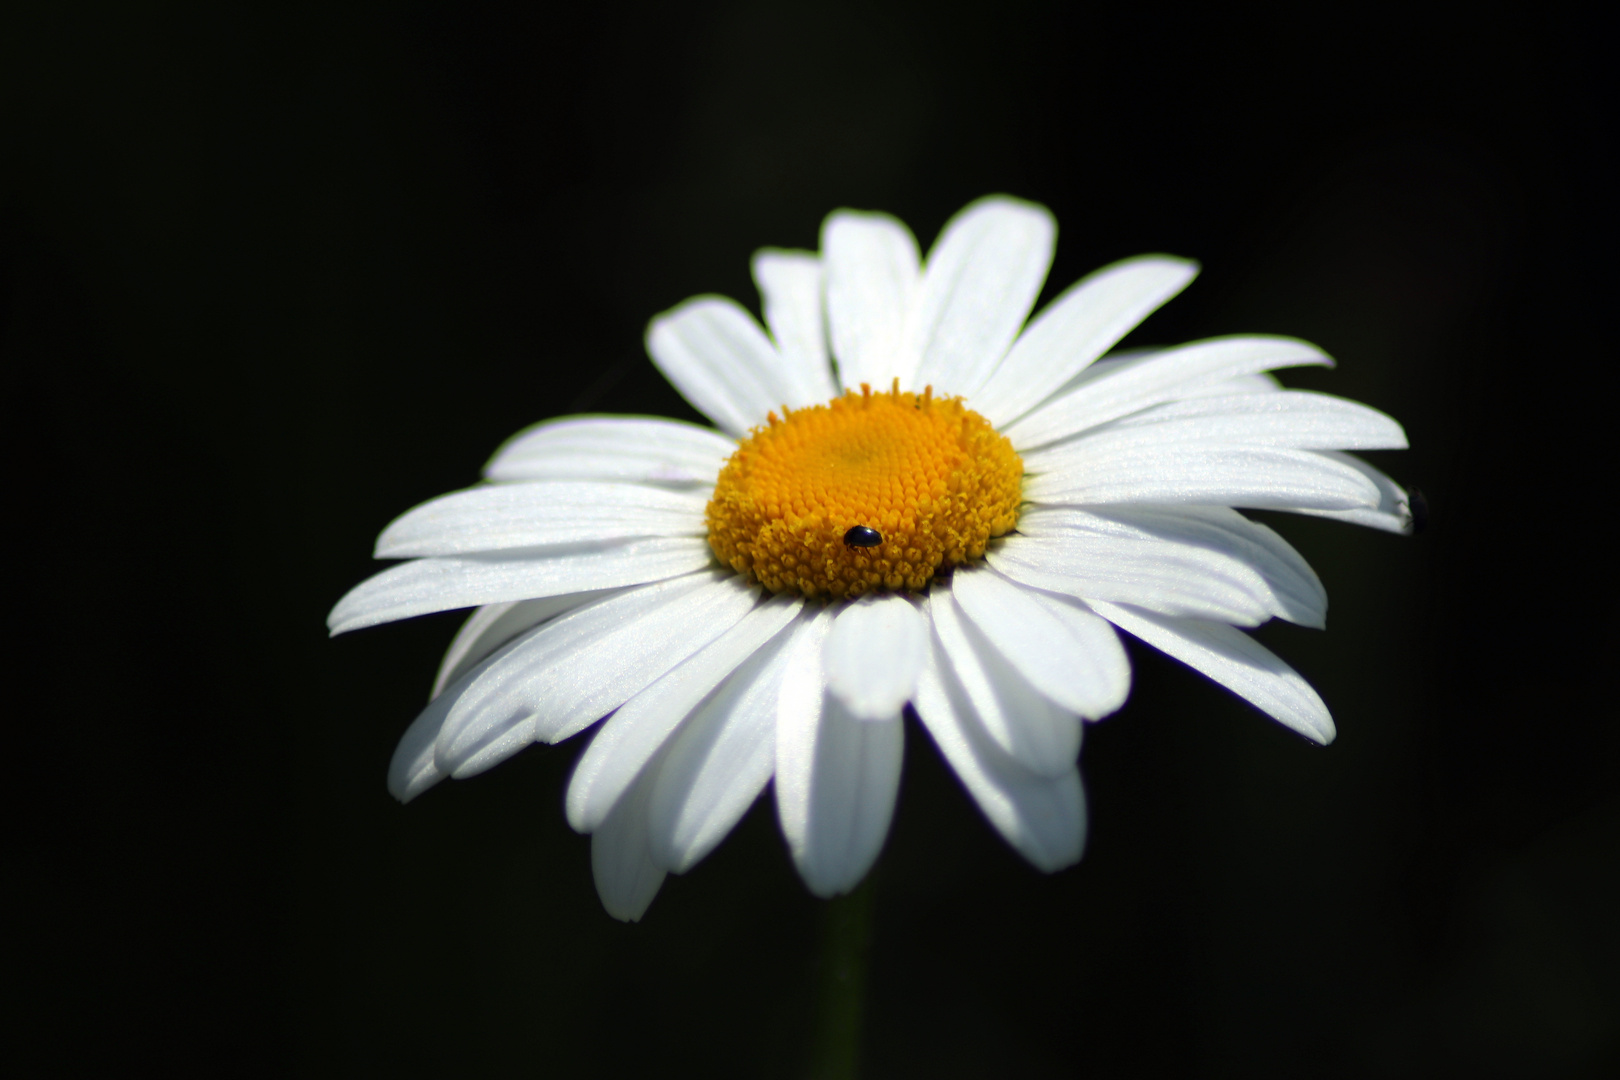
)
(928, 475)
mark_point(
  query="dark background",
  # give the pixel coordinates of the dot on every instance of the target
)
(271, 278)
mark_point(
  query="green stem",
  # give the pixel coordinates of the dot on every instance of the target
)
(846, 930)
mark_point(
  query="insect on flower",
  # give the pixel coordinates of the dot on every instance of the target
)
(863, 536)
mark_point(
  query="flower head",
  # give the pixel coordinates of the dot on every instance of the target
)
(922, 483)
(914, 499)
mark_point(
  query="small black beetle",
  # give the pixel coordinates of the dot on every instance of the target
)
(861, 536)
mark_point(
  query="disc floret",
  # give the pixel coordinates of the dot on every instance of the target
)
(928, 474)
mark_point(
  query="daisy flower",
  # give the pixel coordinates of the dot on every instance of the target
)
(911, 498)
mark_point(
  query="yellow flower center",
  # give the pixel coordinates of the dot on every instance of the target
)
(867, 491)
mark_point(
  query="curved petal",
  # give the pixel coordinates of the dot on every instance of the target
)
(720, 759)
(846, 794)
(1206, 562)
(498, 517)
(1290, 419)
(717, 356)
(1104, 394)
(873, 653)
(1029, 727)
(1042, 817)
(1236, 661)
(1394, 510)
(1189, 584)
(499, 741)
(444, 584)
(1255, 382)
(413, 768)
(872, 280)
(1077, 328)
(1259, 382)
(790, 289)
(493, 625)
(572, 671)
(1204, 474)
(1072, 657)
(798, 713)
(625, 449)
(642, 726)
(836, 776)
(978, 286)
(627, 879)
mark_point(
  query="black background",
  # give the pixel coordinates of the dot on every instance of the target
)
(271, 278)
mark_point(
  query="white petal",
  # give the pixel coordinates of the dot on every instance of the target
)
(1068, 654)
(1261, 382)
(873, 654)
(493, 625)
(720, 360)
(412, 770)
(443, 584)
(1152, 378)
(720, 759)
(1254, 382)
(1077, 328)
(1292, 419)
(415, 767)
(1236, 661)
(498, 517)
(1204, 562)
(630, 738)
(978, 286)
(1043, 817)
(1394, 510)
(853, 784)
(626, 449)
(837, 777)
(790, 290)
(1203, 474)
(1258, 382)
(627, 879)
(872, 280)
(1040, 735)
(1114, 361)
(1189, 583)
(572, 671)
(798, 716)
(500, 742)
